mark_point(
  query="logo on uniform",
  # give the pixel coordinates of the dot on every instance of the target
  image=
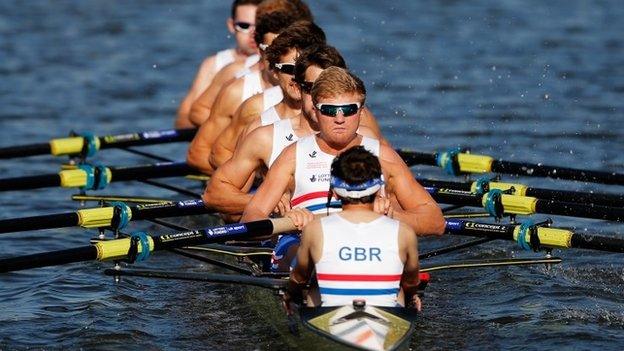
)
(313, 178)
(313, 154)
(289, 137)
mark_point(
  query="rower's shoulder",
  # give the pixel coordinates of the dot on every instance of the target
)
(262, 134)
(232, 68)
(388, 154)
(253, 104)
(232, 89)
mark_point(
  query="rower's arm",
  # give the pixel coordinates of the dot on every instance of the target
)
(274, 185)
(301, 273)
(198, 154)
(408, 248)
(201, 108)
(227, 189)
(225, 144)
(418, 209)
(202, 79)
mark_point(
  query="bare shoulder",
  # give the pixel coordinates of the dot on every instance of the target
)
(262, 135)
(208, 64)
(252, 106)
(311, 231)
(229, 71)
(389, 156)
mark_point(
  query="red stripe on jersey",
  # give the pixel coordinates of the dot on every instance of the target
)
(309, 196)
(359, 277)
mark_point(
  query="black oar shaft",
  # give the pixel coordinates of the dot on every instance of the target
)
(413, 158)
(147, 138)
(510, 205)
(58, 220)
(534, 170)
(549, 237)
(76, 145)
(120, 248)
(32, 182)
(158, 170)
(100, 217)
(79, 254)
(579, 210)
(24, 151)
(614, 200)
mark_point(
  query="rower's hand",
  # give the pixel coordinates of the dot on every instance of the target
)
(283, 206)
(383, 206)
(300, 217)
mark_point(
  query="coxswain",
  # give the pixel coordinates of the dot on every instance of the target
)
(358, 254)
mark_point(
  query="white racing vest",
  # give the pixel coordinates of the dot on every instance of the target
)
(225, 57)
(359, 261)
(252, 85)
(270, 98)
(283, 135)
(312, 173)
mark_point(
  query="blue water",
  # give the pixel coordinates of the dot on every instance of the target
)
(538, 81)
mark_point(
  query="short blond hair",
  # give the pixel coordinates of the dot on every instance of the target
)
(335, 81)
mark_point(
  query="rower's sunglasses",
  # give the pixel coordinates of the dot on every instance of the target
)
(243, 27)
(331, 110)
(286, 68)
(306, 87)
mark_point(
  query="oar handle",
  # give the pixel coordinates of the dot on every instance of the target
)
(281, 225)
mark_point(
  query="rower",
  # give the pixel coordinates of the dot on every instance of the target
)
(234, 93)
(303, 168)
(227, 190)
(201, 109)
(241, 25)
(357, 253)
(284, 97)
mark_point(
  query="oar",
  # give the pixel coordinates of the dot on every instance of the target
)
(492, 263)
(462, 163)
(484, 185)
(140, 245)
(88, 144)
(96, 178)
(535, 235)
(499, 204)
(239, 279)
(105, 216)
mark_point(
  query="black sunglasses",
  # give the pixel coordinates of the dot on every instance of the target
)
(331, 110)
(243, 27)
(286, 68)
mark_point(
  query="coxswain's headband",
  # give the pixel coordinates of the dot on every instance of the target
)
(355, 191)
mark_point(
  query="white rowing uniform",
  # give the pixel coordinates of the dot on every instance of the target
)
(270, 98)
(312, 173)
(252, 85)
(225, 57)
(283, 135)
(359, 261)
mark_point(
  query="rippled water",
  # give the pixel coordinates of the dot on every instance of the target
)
(539, 81)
